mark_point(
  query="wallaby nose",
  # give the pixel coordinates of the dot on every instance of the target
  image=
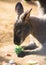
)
(17, 41)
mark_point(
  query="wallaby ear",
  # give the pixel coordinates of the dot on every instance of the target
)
(19, 8)
(25, 16)
(28, 14)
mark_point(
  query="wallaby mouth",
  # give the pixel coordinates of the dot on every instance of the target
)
(17, 40)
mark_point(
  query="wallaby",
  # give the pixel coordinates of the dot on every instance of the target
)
(28, 24)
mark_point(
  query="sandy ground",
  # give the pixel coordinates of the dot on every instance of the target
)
(7, 20)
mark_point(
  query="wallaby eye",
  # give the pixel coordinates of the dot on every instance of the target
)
(19, 32)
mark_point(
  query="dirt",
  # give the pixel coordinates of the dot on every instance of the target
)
(7, 20)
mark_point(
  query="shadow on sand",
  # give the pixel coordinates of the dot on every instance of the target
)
(3, 59)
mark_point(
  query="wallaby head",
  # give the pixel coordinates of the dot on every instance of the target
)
(22, 26)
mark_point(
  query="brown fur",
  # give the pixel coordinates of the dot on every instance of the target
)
(26, 24)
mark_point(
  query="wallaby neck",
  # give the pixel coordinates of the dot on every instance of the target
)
(39, 28)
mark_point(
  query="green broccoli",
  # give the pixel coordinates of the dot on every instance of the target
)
(18, 49)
